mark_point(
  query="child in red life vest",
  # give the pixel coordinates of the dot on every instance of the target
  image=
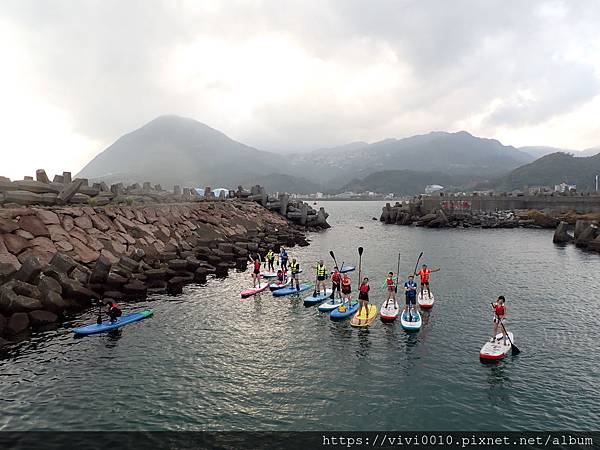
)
(499, 315)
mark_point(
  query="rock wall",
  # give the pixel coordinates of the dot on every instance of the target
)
(58, 259)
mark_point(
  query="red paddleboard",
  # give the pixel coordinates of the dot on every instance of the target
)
(249, 292)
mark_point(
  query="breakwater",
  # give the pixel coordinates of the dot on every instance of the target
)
(62, 257)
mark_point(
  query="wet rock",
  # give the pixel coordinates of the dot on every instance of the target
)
(115, 279)
(156, 274)
(18, 323)
(81, 274)
(30, 271)
(41, 318)
(25, 289)
(75, 290)
(53, 301)
(48, 284)
(101, 270)
(129, 264)
(135, 289)
(175, 285)
(561, 236)
(587, 235)
(34, 225)
(177, 264)
(14, 243)
(6, 272)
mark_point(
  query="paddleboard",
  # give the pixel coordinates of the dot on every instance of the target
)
(389, 311)
(364, 317)
(344, 311)
(347, 269)
(310, 300)
(268, 274)
(424, 301)
(107, 325)
(408, 324)
(276, 286)
(493, 351)
(292, 289)
(330, 305)
(249, 292)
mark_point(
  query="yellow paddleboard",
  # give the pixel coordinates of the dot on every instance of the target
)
(364, 320)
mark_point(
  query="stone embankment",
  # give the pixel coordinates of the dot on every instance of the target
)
(59, 256)
(585, 233)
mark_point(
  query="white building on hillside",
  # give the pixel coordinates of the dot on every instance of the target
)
(564, 187)
(432, 188)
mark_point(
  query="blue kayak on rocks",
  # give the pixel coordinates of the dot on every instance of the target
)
(120, 322)
(292, 289)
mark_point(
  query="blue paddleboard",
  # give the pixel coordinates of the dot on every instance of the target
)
(411, 322)
(310, 300)
(107, 326)
(292, 289)
(336, 314)
(347, 269)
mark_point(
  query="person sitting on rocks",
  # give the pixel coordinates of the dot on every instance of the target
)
(113, 311)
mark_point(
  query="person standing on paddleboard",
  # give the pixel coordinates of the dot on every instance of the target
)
(390, 284)
(283, 259)
(363, 296)
(424, 275)
(499, 315)
(336, 283)
(295, 272)
(256, 263)
(410, 289)
(347, 287)
(321, 272)
(271, 261)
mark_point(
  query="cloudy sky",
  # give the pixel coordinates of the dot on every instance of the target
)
(294, 75)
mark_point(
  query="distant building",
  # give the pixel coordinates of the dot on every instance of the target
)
(432, 188)
(319, 195)
(564, 187)
(538, 190)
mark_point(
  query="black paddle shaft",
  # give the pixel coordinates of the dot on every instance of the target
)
(398, 274)
(360, 252)
(515, 349)
(417, 264)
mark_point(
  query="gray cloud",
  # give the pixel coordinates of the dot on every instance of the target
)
(434, 64)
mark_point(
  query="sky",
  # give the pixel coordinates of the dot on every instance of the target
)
(287, 75)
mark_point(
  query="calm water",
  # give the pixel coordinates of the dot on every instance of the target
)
(209, 360)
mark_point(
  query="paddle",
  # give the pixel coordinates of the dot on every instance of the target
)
(360, 252)
(414, 273)
(514, 348)
(99, 318)
(340, 268)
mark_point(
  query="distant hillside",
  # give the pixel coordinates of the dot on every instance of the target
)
(277, 182)
(451, 153)
(554, 169)
(405, 182)
(176, 150)
(589, 152)
(539, 151)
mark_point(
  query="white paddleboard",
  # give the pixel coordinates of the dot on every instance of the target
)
(330, 305)
(389, 311)
(424, 301)
(411, 325)
(497, 349)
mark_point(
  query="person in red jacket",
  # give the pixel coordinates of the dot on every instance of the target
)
(499, 315)
(424, 275)
(256, 263)
(336, 283)
(363, 296)
(112, 310)
(347, 287)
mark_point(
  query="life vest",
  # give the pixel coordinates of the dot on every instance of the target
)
(283, 255)
(499, 309)
(390, 282)
(424, 274)
(321, 270)
(346, 281)
(270, 255)
(364, 288)
(256, 264)
(336, 277)
(295, 266)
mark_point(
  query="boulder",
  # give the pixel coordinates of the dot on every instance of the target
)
(18, 323)
(81, 274)
(6, 272)
(129, 264)
(34, 225)
(24, 234)
(70, 190)
(25, 289)
(177, 264)
(30, 271)
(48, 284)
(7, 225)
(14, 243)
(83, 253)
(75, 290)
(43, 244)
(58, 233)
(175, 285)
(101, 270)
(53, 301)
(135, 289)
(84, 222)
(36, 186)
(586, 236)
(68, 223)
(41, 318)
(63, 263)
(156, 274)
(3, 323)
(561, 236)
(48, 217)
(115, 279)
(594, 245)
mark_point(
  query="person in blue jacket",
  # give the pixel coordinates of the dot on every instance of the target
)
(410, 290)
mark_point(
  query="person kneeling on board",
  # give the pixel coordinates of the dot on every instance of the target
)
(410, 289)
(295, 272)
(499, 315)
(336, 283)
(112, 310)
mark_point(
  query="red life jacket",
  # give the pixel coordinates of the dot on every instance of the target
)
(346, 281)
(256, 264)
(500, 309)
(390, 282)
(424, 274)
(364, 288)
(336, 277)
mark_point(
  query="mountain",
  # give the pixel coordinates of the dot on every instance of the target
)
(554, 169)
(406, 182)
(539, 151)
(177, 150)
(451, 153)
(589, 152)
